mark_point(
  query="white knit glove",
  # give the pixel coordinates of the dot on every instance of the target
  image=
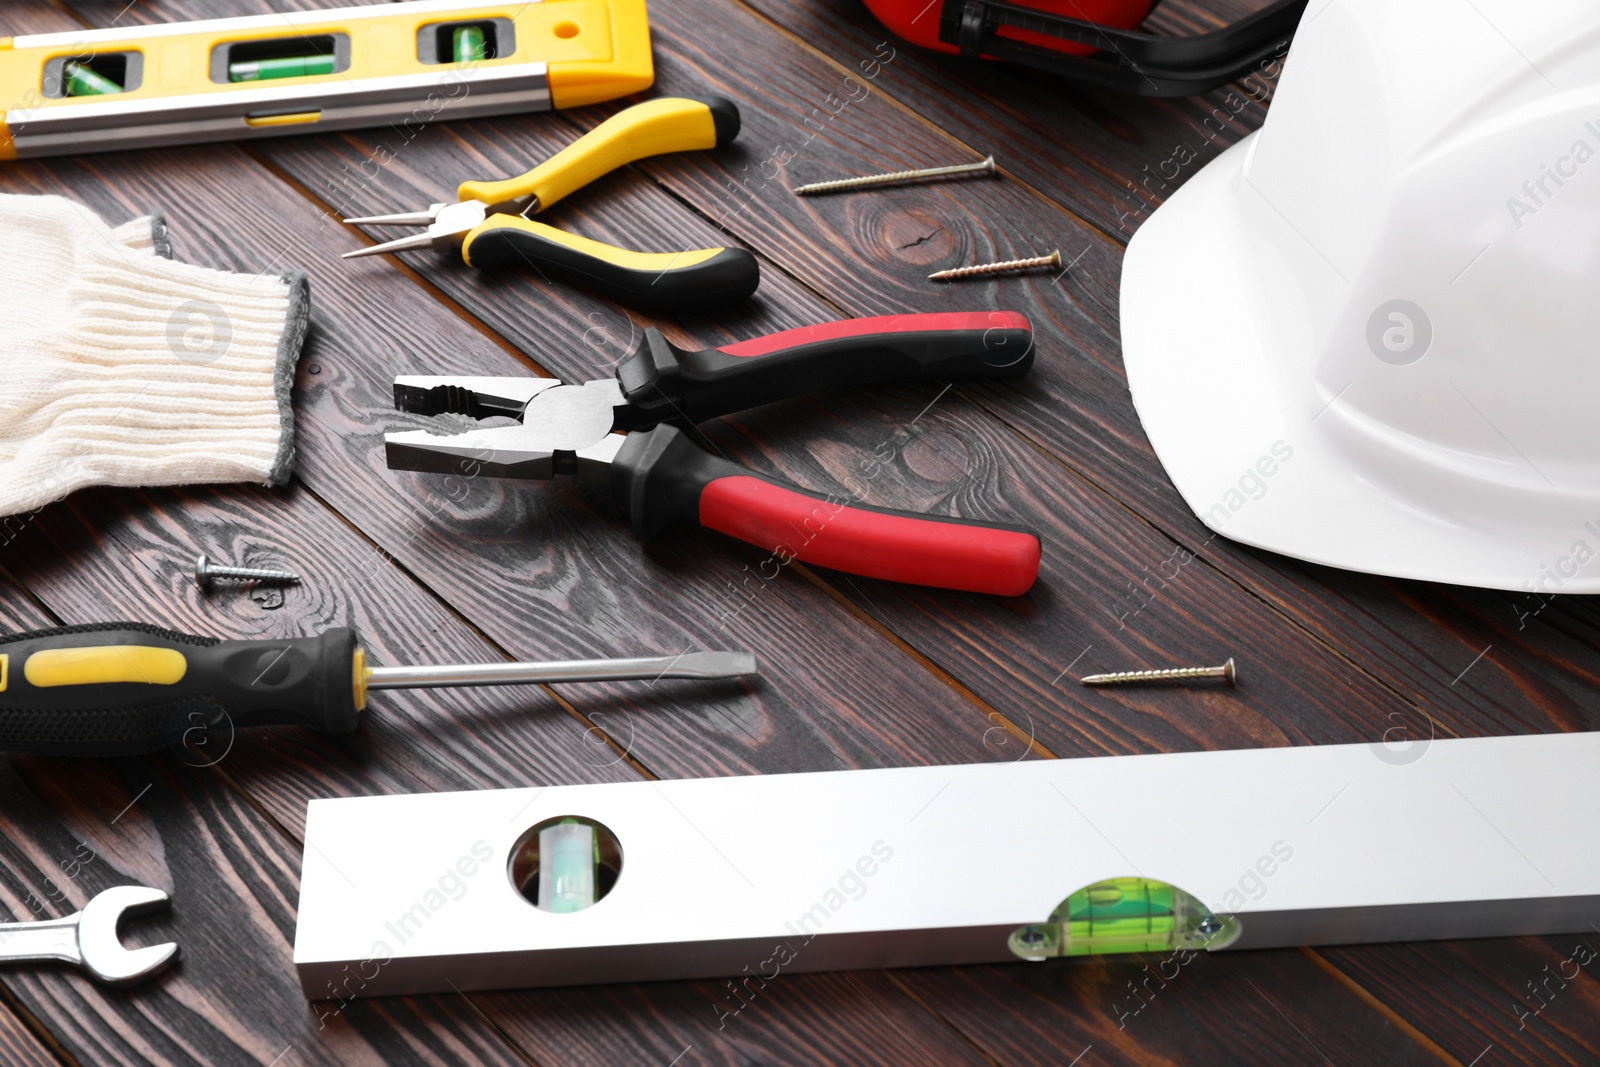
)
(123, 367)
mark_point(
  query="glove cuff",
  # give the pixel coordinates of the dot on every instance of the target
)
(182, 373)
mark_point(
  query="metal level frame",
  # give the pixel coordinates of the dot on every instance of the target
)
(940, 865)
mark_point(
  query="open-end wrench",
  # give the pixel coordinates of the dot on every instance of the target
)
(89, 938)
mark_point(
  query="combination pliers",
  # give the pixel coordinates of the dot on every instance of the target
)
(489, 223)
(625, 437)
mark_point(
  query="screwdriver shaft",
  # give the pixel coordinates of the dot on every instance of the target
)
(688, 665)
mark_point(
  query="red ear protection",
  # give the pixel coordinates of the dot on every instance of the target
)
(918, 20)
(1096, 42)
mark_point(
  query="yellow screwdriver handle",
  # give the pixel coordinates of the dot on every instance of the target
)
(671, 124)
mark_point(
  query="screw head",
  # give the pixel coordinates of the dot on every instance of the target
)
(1229, 672)
(202, 572)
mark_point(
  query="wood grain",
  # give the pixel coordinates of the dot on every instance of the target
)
(232, 874)
(1153, 1010)
(1107, 158)
(124, 536)
(861, 674)
(1530, 1000)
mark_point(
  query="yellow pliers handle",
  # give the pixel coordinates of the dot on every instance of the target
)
(696, 280)
(671, 124)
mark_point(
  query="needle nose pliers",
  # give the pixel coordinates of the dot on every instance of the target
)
(489, 222)
(623, 436)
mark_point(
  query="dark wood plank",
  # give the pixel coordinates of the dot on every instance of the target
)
(70, 828)
(955, 462)
(432, 746)
(1159, 1009)
(1108, 158)
(419, 174)
(1523, 1000)
(152, 527)
(1415, 637)
(640, 224)
(93, 555)
(19, 1043)
(1540, 654)
(542, 571)
(669, 237)
(859, 1017)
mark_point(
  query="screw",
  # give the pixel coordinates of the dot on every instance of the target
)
(1007, 267)
(205, 574)
(872, 181)
(1180, 674)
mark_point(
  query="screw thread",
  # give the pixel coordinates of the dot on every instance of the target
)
(1173, 674)
(251, 574)
(870, 181)
(205, 574)
(1003, 267)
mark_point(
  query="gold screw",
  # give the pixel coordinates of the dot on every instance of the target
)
(1181, 674)
(872, 181)
(1009, 266)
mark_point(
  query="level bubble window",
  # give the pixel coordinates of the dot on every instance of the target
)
(463, 42)
(565, 864)
(1120, 915)
(92, 74)
(269, 59)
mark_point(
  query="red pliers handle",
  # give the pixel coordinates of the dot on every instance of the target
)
(660, 477)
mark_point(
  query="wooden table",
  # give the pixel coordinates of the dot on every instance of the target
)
(858, 673)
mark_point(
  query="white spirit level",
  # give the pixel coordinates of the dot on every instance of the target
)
(299, 71)
(949, 865)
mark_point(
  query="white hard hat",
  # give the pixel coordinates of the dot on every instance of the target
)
(1369, 334)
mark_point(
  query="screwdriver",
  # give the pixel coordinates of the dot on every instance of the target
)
(123, 688)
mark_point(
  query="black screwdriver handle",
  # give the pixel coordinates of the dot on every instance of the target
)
(664, 383)
(121, 688)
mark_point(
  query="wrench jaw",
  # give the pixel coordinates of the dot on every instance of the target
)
(102, 952)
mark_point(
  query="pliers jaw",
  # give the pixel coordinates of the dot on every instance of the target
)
(495, 453)
(565, 429)
(448, 226)
(477, 397)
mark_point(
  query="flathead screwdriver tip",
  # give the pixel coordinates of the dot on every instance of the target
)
(713, 665)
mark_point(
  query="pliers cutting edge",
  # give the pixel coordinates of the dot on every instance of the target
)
(489, 223)
(622, 436)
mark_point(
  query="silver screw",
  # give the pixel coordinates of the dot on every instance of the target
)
(205, 574)
(1181, 674)
(1009, 266)
(872, 181)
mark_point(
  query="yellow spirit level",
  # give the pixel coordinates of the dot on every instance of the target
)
(300, 71)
